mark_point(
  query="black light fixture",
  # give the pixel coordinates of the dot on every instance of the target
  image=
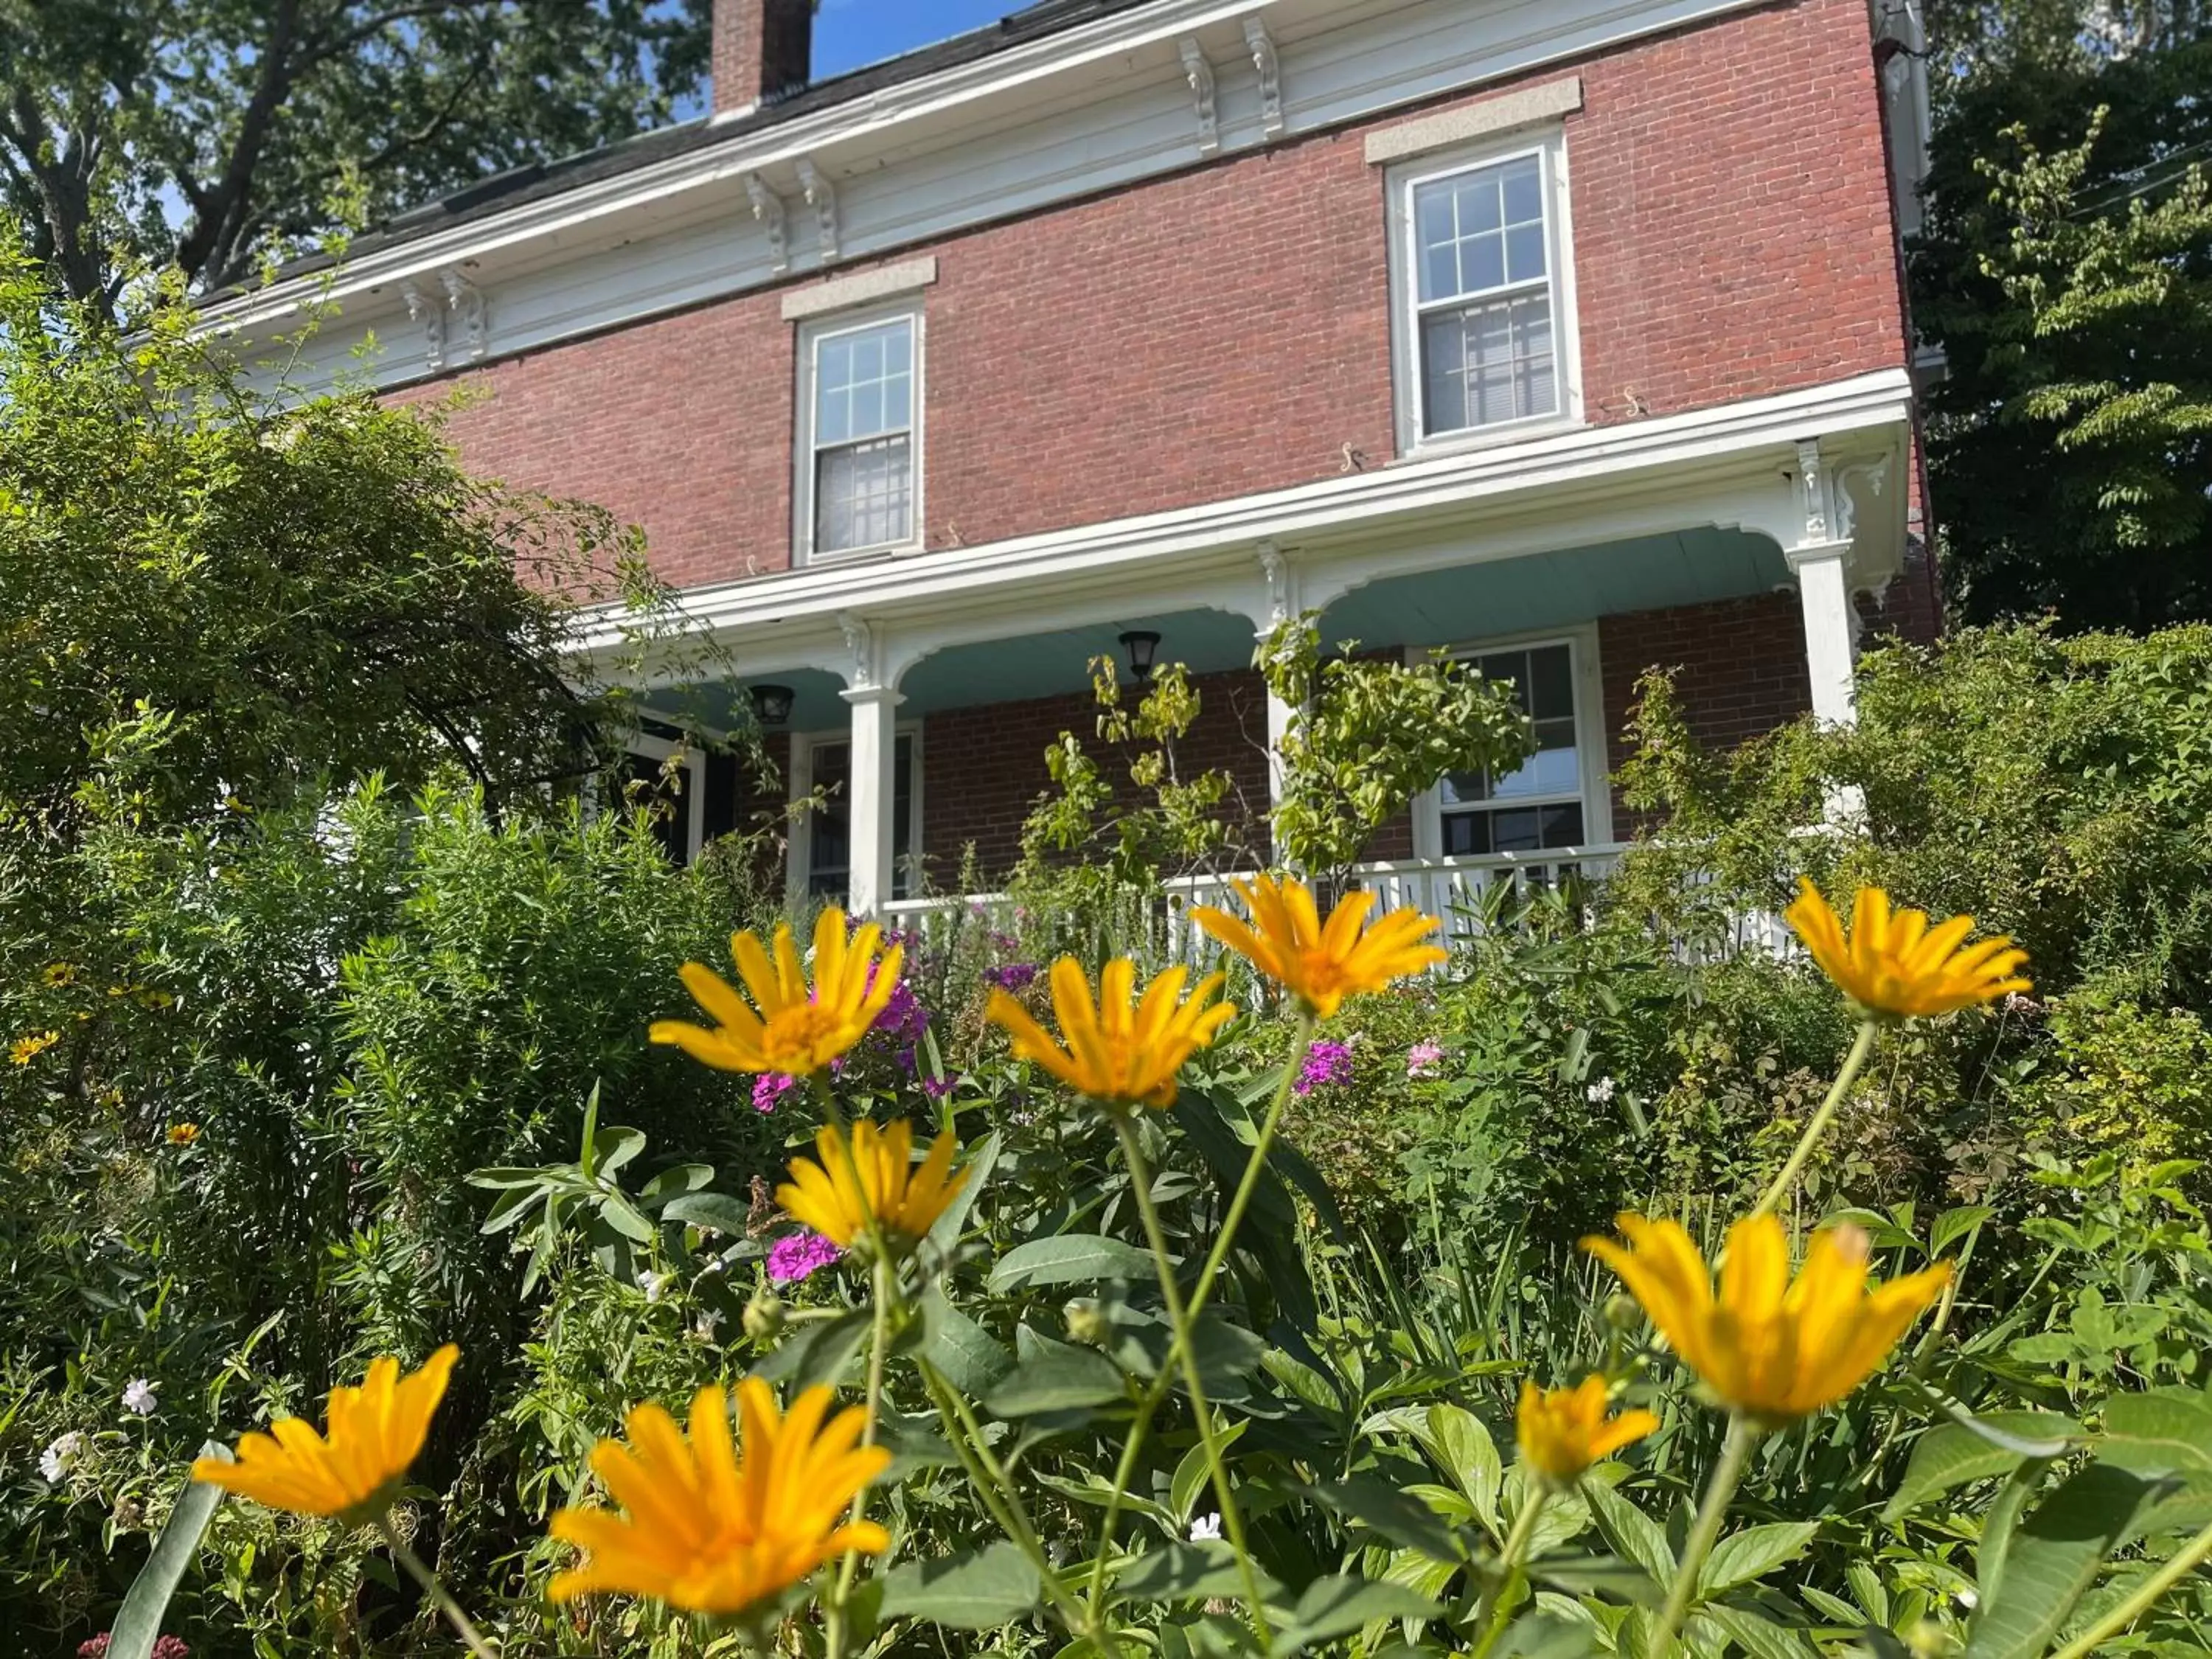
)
(1141, 644)
(772, 703)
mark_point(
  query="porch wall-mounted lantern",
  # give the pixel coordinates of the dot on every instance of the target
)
(772, 703)
(1142, 645)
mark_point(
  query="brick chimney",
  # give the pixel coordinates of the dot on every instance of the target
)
(761, 48)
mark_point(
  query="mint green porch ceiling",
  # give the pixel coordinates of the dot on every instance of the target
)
(1470, 603)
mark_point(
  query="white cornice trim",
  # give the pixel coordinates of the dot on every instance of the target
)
(862, 136)
(1574, 467)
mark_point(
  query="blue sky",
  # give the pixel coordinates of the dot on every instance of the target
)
(850, 32)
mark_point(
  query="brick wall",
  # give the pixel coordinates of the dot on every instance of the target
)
(1226, 329)
(983, 767)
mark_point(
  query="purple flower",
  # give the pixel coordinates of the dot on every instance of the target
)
(1014, 977)
(799, 1256)
(937, 1088)
(770, 1089)
(1327, 1062)
(903, 1019)
(1425, 1059)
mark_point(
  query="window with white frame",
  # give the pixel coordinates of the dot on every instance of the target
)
(823, 847)
(1539, 805)
(1485, 321)
(660, 773)
(859, 473)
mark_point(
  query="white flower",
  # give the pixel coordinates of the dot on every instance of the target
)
(652, 1283)
(1968, 1600)
(140, 1397)
(703, 1328)
(1206, 1529)
(59, 1459)
(1600, 1092)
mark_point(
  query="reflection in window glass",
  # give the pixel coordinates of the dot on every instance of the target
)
(1538, 806)
(1483, 297)
(864, 437)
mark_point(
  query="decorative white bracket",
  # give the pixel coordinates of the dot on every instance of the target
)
(1271, 77)
(823, 200)
(860, 640)
(1282, 586)
(467, 301)
(1815, 493)
(456, 296)
(768, 209)
(430, 312)
(1200, 74)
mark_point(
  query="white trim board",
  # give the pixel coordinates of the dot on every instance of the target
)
(1097, 107)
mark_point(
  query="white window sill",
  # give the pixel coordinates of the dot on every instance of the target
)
(1489, 437)
(874, 552)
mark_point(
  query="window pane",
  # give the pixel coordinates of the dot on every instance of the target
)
(1521, 831)
(1523, 183)
(829, 853)
(1488, 363)
(864, 495)
(1524, 253)
(1479, 204)
(1562, 826)
(1443, 375)
(834, 422)
(1466, 835)
(1481, 265)
(865, 383)
(1553, 683)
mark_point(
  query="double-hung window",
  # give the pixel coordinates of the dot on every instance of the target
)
(1486, 324)
(1539, 805)
(860, 465)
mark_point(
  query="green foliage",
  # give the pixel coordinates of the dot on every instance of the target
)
(116, 119)
(1368, 734)
(2065, 268)
(210, 603)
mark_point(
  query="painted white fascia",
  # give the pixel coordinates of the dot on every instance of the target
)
(1593, 463)
(1571, 29)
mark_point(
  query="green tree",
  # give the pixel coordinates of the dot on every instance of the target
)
(206, 135)
(2066, 270)
(207, 598)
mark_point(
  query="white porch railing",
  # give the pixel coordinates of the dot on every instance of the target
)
(1452, 889)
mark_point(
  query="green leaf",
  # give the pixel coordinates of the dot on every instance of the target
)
(964, 1352)
(2163, 1431)
(1630, 1531)
(1952, 1453)
(1192, 1472)
(724, 1213)
(1458, 1441)
(1183, 1572)
(979, 1589)
(1405, 1519)
(1598, 1575)
(945, 1232)
(1955, 1224)
(818, 1353)
(1070, 1379)
(674, 1182)
(614, 1147)
(2055, 1556)
(1069, 1259)
(1338, 1606)
(138, 1624)
(1745, 1557)
(1756, 1634)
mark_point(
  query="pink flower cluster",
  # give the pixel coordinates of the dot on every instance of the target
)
(770, 1089)
(1425, 1059)
(799, 1256)
(1326, 1063)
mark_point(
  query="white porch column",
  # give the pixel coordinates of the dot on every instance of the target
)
(1831, 627)
(875, 756)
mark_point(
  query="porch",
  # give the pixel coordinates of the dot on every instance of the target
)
(925, 690)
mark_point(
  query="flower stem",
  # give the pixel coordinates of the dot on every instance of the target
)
(1182, 1317)
(885, 1278)
(1000, 1497)
(1705, 1533)
(2136, 1605)
(439, 1597)
(1853, 1064)
(1489, 1616)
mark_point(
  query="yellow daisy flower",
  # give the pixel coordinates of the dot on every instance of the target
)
(1772, 1349)
(905, 1200)
(1320, 964)
(376, 1432)
(1894, 963)
(60, 974)
(1120, 1050)
(25, 1049)
(789, 1026)
(183, 1134)
(716, 1527)
(1562, 1432)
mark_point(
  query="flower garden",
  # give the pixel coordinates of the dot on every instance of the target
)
(436, 1222)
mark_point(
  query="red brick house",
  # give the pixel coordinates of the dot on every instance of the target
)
(1565, 334)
